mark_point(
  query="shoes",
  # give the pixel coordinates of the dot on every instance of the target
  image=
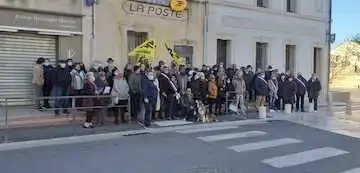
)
(88, 125)
(272, 110)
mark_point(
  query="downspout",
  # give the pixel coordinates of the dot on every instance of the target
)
(206, 25)
(329, 50)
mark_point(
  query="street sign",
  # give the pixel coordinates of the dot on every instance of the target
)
(90, 3)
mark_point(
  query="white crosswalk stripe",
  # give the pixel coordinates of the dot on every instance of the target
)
(229, 136)
(356, 170)
(304, 157)
(263, 145)
(210, 129)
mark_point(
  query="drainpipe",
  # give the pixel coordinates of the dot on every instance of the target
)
(206, 25)
(329, 50)
(92, 37)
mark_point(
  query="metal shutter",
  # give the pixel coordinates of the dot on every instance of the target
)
(18, 53)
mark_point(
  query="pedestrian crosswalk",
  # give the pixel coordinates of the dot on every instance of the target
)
(258, 143)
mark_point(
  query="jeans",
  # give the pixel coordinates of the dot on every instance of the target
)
(272, 102)
(60, 103)
(38, 93)
(149, 110)
(300, 102)
(240, 102)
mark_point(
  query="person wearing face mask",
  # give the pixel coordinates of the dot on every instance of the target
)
(300, 92)
(77, 82)
(313, 89)
(38, 80)
(70, 64)
(120, 93)
(135, 92)
(240, 89)
(199, 87)
(168, 90)
(183, 79)
(110, 69)
(62, 84)
(248, 77)
(212, 93)
(149, 94)
(281, 83)
(261, 90)
(273, 95)
(289, 91)
(48, 76)
(89, 90)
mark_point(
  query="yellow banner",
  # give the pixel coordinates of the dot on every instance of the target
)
(145, 51)
(176, 58)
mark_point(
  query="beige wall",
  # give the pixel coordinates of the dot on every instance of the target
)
(61, 6)
(112, 23)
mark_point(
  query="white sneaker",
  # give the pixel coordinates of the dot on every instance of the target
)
(271, 110)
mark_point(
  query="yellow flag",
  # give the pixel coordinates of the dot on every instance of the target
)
(145, 50)
(177, 59)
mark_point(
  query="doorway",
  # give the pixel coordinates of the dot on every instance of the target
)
(223, 51)
(261, 55)
(290, 52)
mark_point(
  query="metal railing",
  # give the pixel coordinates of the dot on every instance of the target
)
(102, 102)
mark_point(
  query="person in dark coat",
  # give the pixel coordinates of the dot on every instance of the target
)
(89, 90)
(281, 82)
(168, 92)
(262, 90)
(313, 89)
(134, 82)
(248, 76)
(300, 92)
(289, 91)
(199, 87)
(110, 70)
(48, 76)
(149, 94)
(268, 73)
(61, 87)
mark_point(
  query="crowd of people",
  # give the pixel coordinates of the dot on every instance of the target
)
(168, 92)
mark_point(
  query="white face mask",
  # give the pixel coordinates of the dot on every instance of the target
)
(150, 77)
(116, 73)
(262, 76)
(70, 63)
(62, 65)
(46, 63)
(92, 79)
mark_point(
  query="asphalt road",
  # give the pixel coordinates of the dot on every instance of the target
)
(275, 147)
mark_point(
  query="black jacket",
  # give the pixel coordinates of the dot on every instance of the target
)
(313, 88)
(62, 77)
(300, 85)
(261, 87)
(289, 91)
(165, 84)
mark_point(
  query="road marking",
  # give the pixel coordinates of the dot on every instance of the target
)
(304, 157)
(172, 123)
(263, 145)
(356, 170)
(209, 129)
(231, 136)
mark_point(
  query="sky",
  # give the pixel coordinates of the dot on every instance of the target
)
(346, 15)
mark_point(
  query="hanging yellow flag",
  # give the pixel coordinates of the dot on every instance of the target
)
(177, 59)
(145, 50)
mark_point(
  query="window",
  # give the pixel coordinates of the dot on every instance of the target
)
(185, 52)
(317, 59)
(261, 55)
(290, 51)
(134, 39)
(291, 6)
(223, 51)
(263, 3)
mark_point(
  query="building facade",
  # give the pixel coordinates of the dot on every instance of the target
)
(290, 35)
(36, 28)
(121, 25)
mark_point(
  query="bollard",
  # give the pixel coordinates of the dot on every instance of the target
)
(348, 109)
(262, 112)
(288, 108)
(311, 107)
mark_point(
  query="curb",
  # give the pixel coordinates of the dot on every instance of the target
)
(118, 135)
